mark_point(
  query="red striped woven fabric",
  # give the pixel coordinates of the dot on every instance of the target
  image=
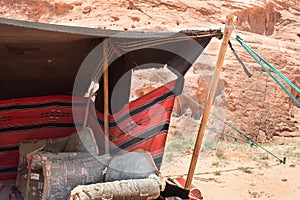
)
(144, 123)
(141, 124)
(33, 118)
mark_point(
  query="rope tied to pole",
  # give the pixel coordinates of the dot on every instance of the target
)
(262, 62)
(249, 140)
(240, 60)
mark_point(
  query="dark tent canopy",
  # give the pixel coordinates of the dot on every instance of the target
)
(43, 59)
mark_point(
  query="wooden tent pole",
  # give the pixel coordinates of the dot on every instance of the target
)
(212, 90)
(106, 98)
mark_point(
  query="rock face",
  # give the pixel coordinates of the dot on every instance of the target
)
(258, 19)
(34, 10)
(256, 105)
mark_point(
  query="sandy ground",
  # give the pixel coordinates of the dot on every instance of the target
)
(237, 171)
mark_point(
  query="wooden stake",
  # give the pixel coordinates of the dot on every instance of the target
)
(213, 86)
(106, 98)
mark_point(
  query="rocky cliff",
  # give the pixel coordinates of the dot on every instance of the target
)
(256, 105)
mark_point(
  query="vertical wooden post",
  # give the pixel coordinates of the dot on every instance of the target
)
(106, 95)
(213, 86)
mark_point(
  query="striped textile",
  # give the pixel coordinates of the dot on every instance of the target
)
(144, 123)
(141, 124)
(33, 118)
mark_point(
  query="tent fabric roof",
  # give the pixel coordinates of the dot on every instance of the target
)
(44, 59)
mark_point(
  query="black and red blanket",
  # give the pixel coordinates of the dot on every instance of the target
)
(141, 124)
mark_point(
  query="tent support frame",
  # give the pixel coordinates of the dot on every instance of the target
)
(210, 97)
(105, 96)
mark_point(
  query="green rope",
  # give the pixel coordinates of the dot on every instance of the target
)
(256, 57)
(252, 142)
(214, 115)
(212, 129)
(271, 66)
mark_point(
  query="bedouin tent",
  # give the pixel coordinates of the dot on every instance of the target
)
(46, 69)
